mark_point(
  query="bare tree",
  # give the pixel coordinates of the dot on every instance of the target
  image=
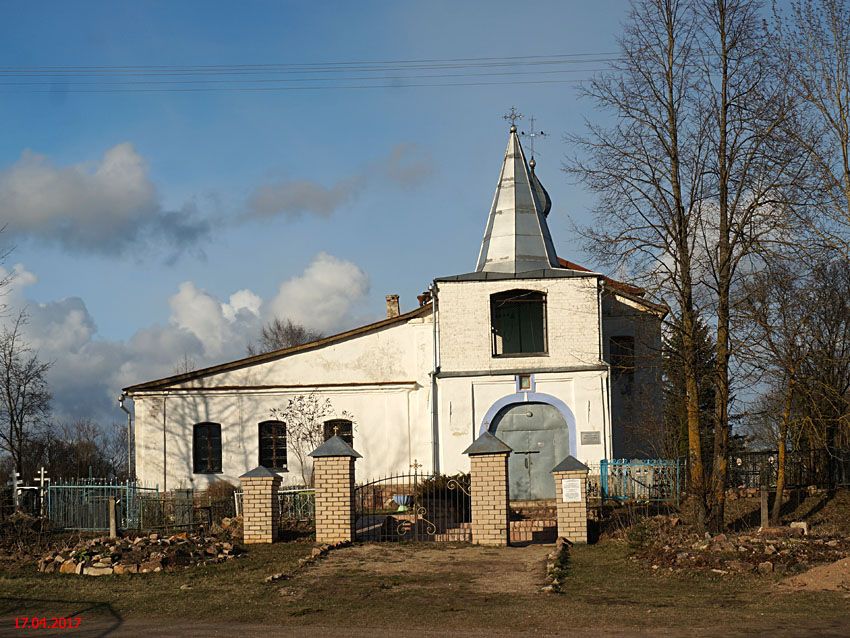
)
(754, 170)
(812, 42)
(777, 306)
(305, 416)
(278, 334)
(24, 394)
(186, 364)
(647, 169)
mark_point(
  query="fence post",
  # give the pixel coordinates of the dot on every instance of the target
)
(570, 477)
(333, 478)
(113, 520)
(488, 458)
(260, 509)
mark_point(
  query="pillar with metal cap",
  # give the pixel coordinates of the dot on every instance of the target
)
(570, 476)
(333, 479)
(488, 458)
(260, 506)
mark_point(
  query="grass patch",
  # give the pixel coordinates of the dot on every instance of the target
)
(432, 586)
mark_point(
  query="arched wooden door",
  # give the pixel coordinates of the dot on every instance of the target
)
(538, 435)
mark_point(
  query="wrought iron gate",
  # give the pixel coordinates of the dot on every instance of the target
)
(414, 507)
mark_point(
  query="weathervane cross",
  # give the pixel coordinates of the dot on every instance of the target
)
(533, 134)
(512, 116)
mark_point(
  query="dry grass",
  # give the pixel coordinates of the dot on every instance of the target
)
(427, 587)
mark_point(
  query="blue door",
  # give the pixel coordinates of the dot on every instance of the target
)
(538, 435)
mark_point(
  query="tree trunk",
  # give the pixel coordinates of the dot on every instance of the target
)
(782, 449)
(723, 269)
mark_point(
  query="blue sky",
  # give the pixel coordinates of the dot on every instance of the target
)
(408, 172)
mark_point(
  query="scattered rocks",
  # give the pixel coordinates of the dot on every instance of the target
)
(141, 555)
(557, 566)
(663, 543)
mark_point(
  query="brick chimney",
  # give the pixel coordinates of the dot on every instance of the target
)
(392, 306)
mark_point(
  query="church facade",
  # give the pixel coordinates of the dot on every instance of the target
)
(550, 357)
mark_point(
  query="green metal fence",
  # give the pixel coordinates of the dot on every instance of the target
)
(647, 480)
(84, 504)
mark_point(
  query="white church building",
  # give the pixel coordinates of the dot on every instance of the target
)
(550, 357)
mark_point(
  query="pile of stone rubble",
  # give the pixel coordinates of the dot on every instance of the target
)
(665, 542)
(142, 554)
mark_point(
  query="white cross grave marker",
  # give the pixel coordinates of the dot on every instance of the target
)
(42, 481)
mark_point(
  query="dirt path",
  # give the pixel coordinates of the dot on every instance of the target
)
(481, 570)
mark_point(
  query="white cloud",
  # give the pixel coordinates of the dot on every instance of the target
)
(88, 372)
(325, 292)
(101, 206)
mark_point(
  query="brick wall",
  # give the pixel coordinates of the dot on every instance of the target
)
(489, 490)
(572, 517)
(333, 478)
(260, 509)
(572, 324)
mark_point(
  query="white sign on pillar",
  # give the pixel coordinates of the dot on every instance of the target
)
(571, 490)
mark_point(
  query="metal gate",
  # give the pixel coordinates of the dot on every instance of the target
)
(414, 507)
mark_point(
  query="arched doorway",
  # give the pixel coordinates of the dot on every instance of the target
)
(540, 439)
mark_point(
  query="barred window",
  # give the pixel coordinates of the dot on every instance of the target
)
(273, 445)
(518, 322)
(206, 448)
(341, 427)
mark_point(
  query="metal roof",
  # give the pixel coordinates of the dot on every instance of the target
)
(570, 464)
(166, 382)
(546, 273)
(487, 444)
(334, 446)
(516, 238)
(259, 472)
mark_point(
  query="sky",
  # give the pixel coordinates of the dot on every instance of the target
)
(151, 224)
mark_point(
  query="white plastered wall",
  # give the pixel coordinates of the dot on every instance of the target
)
(380, 378)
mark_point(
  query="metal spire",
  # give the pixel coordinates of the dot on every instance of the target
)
(517, 239)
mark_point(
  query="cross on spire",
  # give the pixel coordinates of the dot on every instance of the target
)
(512, 116)
(532, 134)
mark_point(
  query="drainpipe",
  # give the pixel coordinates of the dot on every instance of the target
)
(435, 417)
(608, 446)
(164, 443)
(131, 475)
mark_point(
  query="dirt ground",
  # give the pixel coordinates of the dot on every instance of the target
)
(832, 577)
(427, 590)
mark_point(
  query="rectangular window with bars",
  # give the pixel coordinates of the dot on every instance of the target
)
(273, 445)
(206, 448)
(341, 427)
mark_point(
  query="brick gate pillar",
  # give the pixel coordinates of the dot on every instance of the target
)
(488, 458)
(570, 477)
(333, 478)
(260, 507)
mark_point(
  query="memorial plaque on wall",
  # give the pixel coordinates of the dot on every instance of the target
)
(591, 438)
(571, 490)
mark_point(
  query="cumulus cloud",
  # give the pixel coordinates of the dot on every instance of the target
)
(88, 372)
(102, 206)
(326, 290)
(406, 166)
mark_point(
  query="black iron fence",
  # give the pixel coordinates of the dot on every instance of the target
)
(821, 468)
(414, 507)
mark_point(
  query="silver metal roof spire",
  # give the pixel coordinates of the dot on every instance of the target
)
(517, 238)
